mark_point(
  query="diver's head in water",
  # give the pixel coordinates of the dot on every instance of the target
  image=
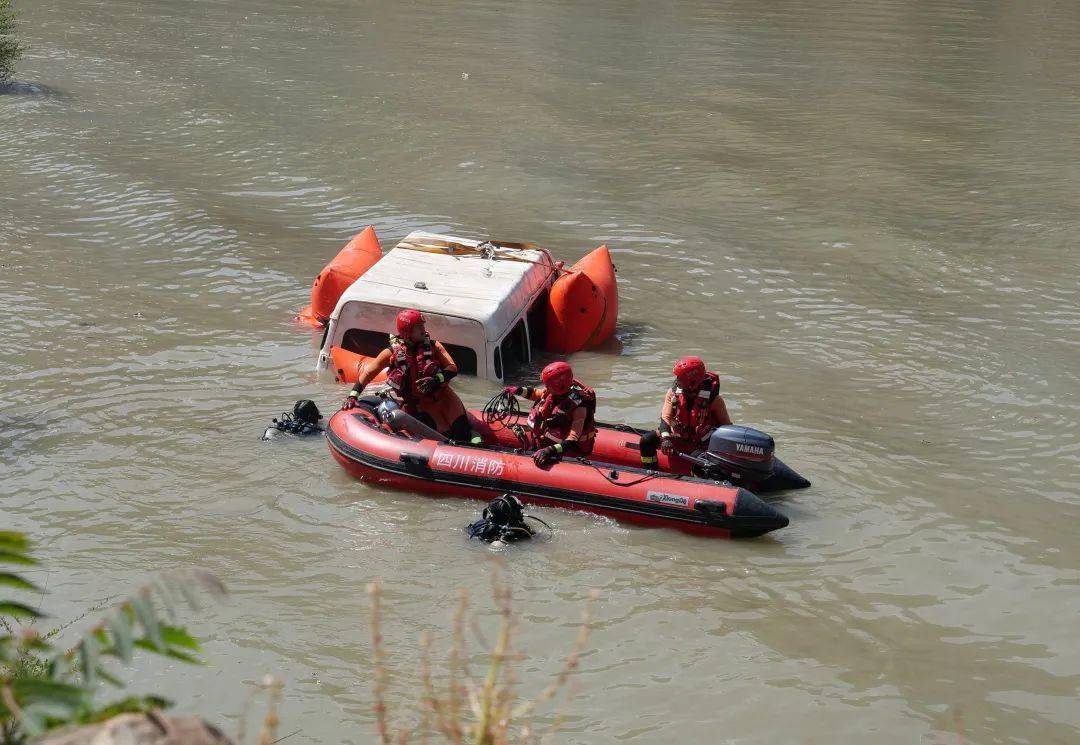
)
(503, 521)
(507, 510)
(306, 411)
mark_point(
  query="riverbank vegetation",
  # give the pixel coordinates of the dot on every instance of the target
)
(44, 686)
(49, 689)
(462, 708)
(11, 48)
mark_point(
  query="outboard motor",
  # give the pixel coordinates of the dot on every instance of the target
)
(743, 455)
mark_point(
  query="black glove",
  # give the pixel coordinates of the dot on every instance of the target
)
(424, 386)
(667, 447)
(350, 402)
(546, 456)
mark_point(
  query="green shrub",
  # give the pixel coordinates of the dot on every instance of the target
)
(44, 686)
(10, 48)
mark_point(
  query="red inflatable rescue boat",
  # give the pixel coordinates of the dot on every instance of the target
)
(369, 450)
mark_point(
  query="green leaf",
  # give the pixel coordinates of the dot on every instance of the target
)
(109, 678)
(30, 691)
(15, 557)
(176, 654)
(44, 702)
(88, 660)
(12, 541)
(144, 611)
(137, 704)
(120, 627)
(33, 721)
(18, 610)
(177, 636)
(44, 715)
(7, 579)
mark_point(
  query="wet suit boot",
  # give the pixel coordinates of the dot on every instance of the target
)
(462, 431)
(648, 445)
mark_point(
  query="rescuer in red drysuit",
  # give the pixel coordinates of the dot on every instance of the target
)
(562, 419)
(418, 377)
(693, 408)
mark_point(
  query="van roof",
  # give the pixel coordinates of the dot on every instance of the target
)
(441, 274)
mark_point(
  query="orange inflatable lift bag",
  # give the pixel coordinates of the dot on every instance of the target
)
(358, 255)
(583, 304)
(346, 366)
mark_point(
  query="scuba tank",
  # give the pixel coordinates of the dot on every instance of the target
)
(393, 416)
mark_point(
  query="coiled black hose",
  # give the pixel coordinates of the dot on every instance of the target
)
(503, 410)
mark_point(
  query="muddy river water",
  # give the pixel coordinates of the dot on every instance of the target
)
(864, 216)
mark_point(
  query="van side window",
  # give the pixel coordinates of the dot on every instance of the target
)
(538, 320)
(464, 358)
(514, 348)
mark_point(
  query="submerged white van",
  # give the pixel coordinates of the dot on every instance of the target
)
(485, 302)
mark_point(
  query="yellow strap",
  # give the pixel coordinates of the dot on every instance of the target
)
(460, 249)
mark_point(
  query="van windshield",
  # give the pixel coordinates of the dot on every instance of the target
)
(370, 343)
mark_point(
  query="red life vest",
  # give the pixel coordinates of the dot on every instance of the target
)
(555, 414)
(693, 416)
(409, 363)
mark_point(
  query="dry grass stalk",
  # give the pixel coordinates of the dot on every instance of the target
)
(496, 692)
(464, 712)
(245, 709)
(268, 733)
(273, 686)
(378, 690)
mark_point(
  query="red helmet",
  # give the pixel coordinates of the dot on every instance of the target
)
(557, 377)
(690, 371)
(406, 320)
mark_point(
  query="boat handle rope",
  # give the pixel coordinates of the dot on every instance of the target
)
(649, 476)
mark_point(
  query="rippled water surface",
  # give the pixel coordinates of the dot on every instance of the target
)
(864, 215)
